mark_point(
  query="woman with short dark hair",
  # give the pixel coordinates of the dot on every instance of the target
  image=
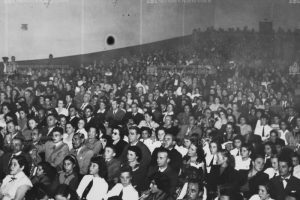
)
(118, 142)
(94, 185)
(134, 157)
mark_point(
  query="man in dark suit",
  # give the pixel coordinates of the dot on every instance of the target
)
(73, 119)
(90, 120)
(82, 153)
(47, 132)
(17, 149)
(157, 115)
(157, 97)
(134, 115)
(163, 169)
(69, 100)
(281, 186)
(115, 115)
(175, 157)
(134, 136)
(291, 118)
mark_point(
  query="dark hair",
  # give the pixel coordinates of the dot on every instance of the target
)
(72, 106)
(38, 191)
(89, 107)
(217, 143)
(148, 113)
(126, 169)
(72, 124)
(121, 133)
(158, 129)
(58, 129)
(102, 166)
(137, 152)
(230, 158)
(266, 185)
(271, 145)
(73, 159)
(32, 118)
(52, 113)
(274, 131)
(12, 121)
(239, 137)
(107, 138)
(137, 129)
(65, 191)
(200, 152)
(61, 99)
(22, 162)
(48, 169)
(146, 129)
(162, 181)
(286, 159)
(257, 156)
(248, 147)
(111, 147)
(61, 116)
(164, 150)
(24, 110)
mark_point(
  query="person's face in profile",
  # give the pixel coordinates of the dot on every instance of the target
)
(153, 187)
(193, 191)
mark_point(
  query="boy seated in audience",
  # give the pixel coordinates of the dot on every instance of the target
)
(55, 150)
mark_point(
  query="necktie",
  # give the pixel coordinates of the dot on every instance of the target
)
(238, 153)
(12, 179)
(75, 152)
(284, 182)
(87, 190)
(212, 161)
(121, 194)
(263, 131)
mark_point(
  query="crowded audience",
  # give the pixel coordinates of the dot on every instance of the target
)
(105, 131)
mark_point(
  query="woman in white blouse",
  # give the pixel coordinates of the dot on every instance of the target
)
(94, 185)
(16, 184)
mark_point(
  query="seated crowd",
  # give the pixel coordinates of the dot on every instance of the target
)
(89, 134)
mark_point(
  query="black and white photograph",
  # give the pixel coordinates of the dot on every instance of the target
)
(149, 99)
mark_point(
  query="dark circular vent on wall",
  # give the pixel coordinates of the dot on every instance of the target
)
(110, 40)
